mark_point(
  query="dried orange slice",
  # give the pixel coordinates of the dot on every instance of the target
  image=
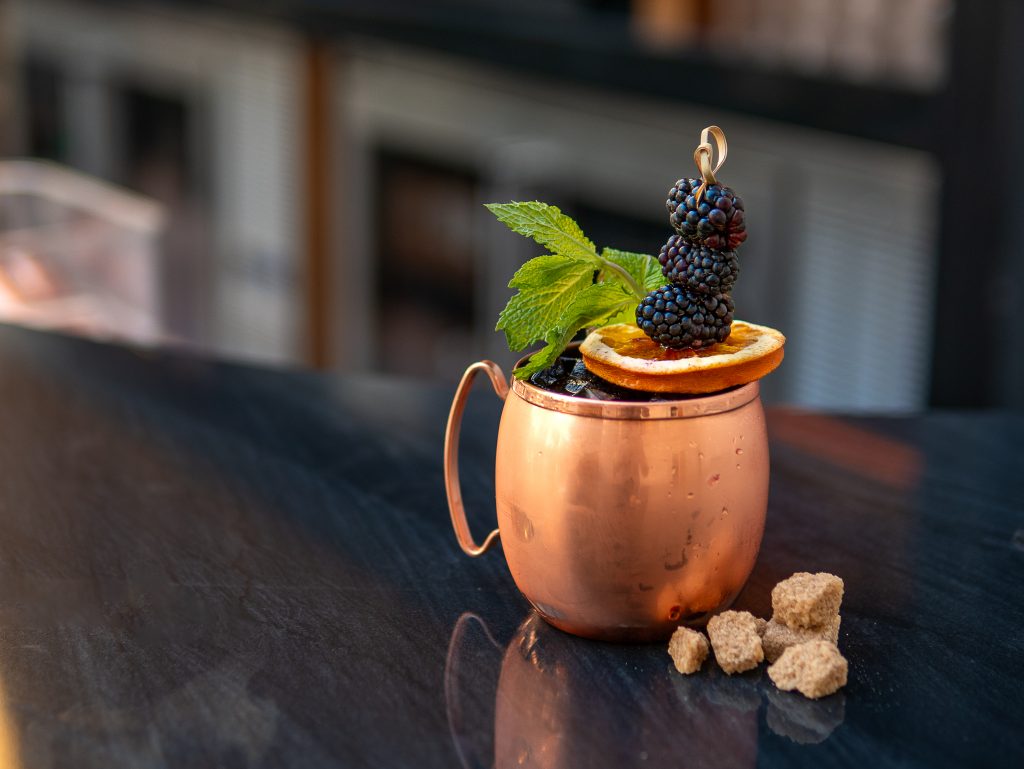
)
(624, 355)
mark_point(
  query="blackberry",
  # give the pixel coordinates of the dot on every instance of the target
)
(718, 221)
(697, 267)
(676, 203)
(677, 317)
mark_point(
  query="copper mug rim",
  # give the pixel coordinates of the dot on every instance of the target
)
(683, 407)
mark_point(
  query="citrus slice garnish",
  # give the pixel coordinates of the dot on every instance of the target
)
(624, 355)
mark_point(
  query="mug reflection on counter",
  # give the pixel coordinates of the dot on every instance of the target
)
(560, 701)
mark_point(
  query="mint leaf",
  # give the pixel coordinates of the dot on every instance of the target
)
(595, 305)
(540, 360)
(557, 296)
(644, 269)
(547, 285)
(626, 315)
(548, 226)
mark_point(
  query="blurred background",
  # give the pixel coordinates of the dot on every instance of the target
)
(301, 183)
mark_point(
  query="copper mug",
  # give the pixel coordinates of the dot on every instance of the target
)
(621, 520)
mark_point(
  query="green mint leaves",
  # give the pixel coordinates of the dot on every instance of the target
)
(547, 285)
(644, 269)
(547, 225)
(569, 289)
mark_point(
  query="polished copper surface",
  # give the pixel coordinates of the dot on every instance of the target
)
(622, 520)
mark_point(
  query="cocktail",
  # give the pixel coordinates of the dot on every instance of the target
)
(631, 478)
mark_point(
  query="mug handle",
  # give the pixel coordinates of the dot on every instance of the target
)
(451, 454)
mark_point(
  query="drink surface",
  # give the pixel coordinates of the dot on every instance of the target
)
(569, 376)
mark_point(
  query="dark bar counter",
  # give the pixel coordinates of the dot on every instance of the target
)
(208, 564)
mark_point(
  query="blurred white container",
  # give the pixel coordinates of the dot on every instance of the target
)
(78, 254)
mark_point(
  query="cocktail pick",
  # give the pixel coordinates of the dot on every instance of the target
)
(704, 155)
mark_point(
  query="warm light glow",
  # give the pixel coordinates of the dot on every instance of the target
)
(8, 739)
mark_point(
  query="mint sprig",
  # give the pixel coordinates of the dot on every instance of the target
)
(571, 288)
(644, 269)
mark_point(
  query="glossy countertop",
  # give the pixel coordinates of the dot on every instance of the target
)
(212, 565)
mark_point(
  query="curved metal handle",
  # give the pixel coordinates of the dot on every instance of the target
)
(451, 454)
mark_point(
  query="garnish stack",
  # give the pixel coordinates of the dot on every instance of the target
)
(681, 338)
(696, 309)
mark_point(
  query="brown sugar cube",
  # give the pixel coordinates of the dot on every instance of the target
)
(735, 641)
(778, 637)
(807, 600)
(761, 625)
(813, 668)
(689, 649)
